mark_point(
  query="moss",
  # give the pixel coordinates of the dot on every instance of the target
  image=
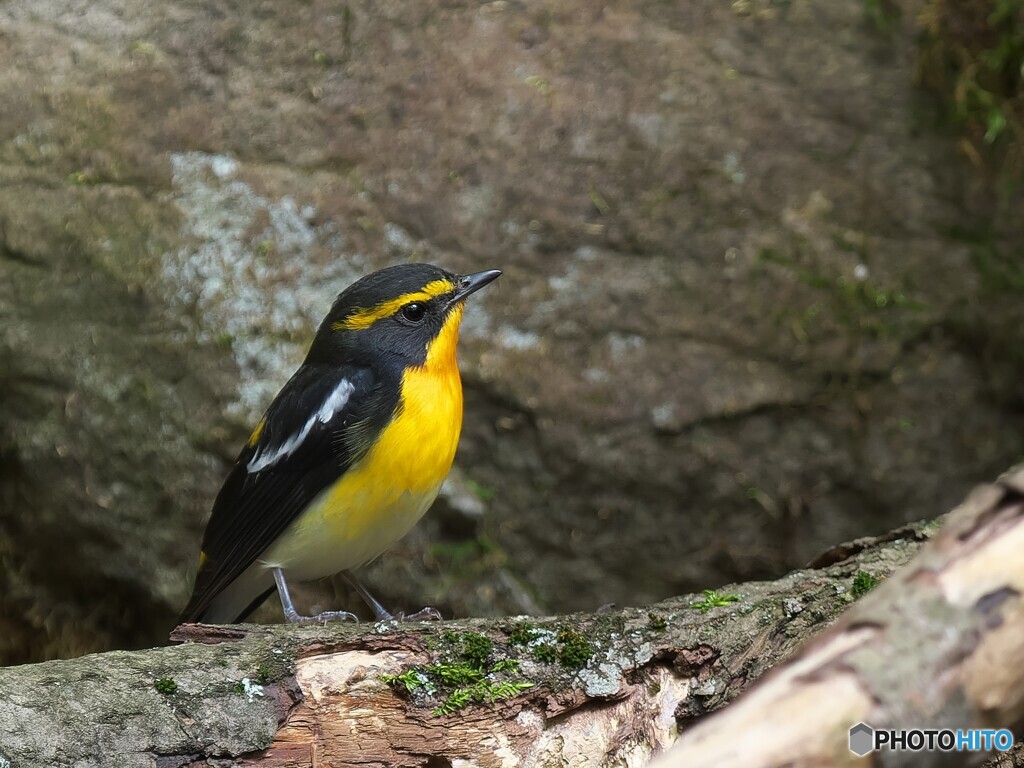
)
(863, 583)
(566, 646)
(522, 633)
(270, 664)
(462, 675)
(410, 680)
(262, 676)
(574, 650)
(599, 201)
(82, 177)
(656, 621)
(472, 647)
(545, 653)
(481, 693)
(506, 665)
(165, 685)
(714, 599)
(456, 674)
(264, 248)
(538, 83)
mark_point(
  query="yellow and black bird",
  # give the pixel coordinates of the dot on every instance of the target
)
(351, 452)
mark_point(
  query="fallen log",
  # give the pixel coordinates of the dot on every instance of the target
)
(613, 687)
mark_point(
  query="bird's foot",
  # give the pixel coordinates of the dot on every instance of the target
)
(294, 617)
(423, 614)
(380, 613)
(297, 618)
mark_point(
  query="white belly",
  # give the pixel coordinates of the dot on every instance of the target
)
(331, 536)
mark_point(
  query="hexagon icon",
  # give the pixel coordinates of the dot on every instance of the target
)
(862, 739)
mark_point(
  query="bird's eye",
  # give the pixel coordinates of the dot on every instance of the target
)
(414, 312)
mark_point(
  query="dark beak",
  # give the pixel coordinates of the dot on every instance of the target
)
(470, 283)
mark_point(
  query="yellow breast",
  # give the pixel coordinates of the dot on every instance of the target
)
(380, 498)
(414, 453)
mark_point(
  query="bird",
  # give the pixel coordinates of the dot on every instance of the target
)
(350, 453)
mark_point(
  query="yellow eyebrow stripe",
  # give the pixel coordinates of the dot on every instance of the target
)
(361, 318)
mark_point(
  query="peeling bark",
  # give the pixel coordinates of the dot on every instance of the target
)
(941, 645)
(320, 695)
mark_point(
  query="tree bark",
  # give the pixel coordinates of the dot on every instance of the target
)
(940, 646)
(609, 688)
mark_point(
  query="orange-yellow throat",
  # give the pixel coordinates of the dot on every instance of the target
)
(379, 499)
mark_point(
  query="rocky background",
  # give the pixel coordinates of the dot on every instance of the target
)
(756, 299)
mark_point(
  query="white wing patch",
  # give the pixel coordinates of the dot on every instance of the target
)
(270, 455)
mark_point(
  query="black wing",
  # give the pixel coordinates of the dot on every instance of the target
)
(318, 426)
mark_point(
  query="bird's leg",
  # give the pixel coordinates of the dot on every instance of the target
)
(290, 614)
(423, 614)
(380, 613)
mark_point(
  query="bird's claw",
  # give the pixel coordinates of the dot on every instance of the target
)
(424, 614)
(322, 617)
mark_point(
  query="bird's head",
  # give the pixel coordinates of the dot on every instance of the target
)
(407, 315)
